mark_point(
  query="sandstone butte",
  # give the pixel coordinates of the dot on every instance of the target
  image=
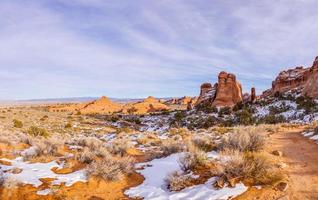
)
(103, 106)
(298, 78)
(148, 105)
(226, 93)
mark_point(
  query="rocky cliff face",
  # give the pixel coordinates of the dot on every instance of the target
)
(227, 92)
(311, 86)
(300, 78)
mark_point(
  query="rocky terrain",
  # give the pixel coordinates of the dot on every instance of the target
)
(220, 145)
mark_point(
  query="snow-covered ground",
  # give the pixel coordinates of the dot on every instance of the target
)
(311, 135)
(32, 173)
(154, 186)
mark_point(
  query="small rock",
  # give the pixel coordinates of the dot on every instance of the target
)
(282, 186)
(277, 153)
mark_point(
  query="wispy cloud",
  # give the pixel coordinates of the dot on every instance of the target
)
(139, 48)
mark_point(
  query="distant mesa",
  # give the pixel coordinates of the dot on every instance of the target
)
(226, 93)
(102, 106)
(299, 78)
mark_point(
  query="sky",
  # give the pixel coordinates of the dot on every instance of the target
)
(138, 48)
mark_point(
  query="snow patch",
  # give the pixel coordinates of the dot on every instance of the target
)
(154, 186)
(32, 172)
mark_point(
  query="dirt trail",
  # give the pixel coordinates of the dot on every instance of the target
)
(301, 157)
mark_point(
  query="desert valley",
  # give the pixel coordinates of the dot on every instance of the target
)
(221, 144)
(158, 100)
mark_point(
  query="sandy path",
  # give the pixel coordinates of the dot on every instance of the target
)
(301, 157)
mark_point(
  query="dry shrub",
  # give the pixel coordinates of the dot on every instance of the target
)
(179, 131)
(119, 147)
(251, 166)
(247, 139)
(178, 181)
(91, 142)
(17, 123)
(11, 183)
(191, 160)
(221, 130)
(203, 142)
(110, 168)
(86, 156)
(41, 148)
(171, 146)
(36, 131)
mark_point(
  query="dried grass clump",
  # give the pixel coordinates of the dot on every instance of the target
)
(119, 147)
(91, 142)
(110, 168)
(36, 131)
(17, 123)
(171, 146)
(86, 156)
(179, 131)
(11, 183)
(191, 160)
(178, 181)
(254, 167)
(41, 148)
(203, 142)
(247, 139)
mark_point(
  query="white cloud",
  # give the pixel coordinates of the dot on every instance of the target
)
(140, 48)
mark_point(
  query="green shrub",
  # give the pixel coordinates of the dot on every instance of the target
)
(178, 119)
(17, 123)
(224, 111)
(244, 117)
(272, 119)
(36, 131)
(306, 103)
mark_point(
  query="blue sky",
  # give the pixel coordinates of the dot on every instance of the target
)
(137, 48)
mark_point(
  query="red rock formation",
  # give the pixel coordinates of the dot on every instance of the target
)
(207, 93)
(311, 86)
(229, 91)
(253, 94)
(148, 105)
(290, 79)
(300, 78)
